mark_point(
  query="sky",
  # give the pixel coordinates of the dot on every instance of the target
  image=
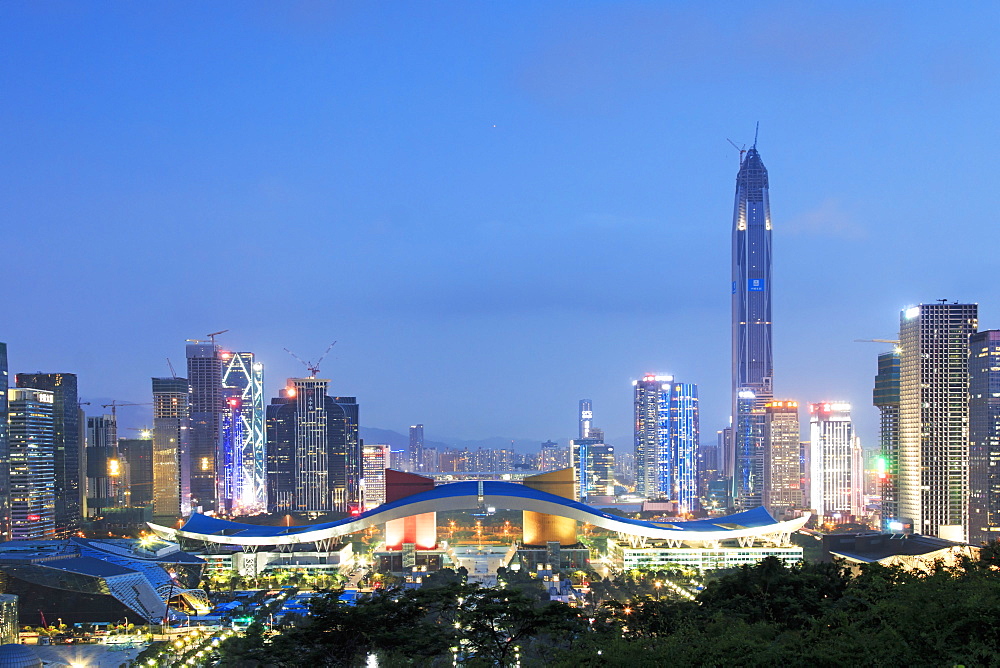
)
(495, 209)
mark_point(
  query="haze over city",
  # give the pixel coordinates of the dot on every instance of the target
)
(495, 211)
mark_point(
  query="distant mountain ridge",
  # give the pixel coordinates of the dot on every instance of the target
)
(399, 441)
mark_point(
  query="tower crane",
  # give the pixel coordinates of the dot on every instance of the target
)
(893, 341)
(115, 404)
(313, 368)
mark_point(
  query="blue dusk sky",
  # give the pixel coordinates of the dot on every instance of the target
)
(496, 209)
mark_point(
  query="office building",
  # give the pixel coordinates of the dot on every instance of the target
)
(782, 479)
(4, 448)
(32, 464)
(375, 460)
(832, 445)
(552, 456)
(313, 449)
(594, 463)
(417, 447)
(753, 368)
(242, 461)
(137, 466)
(204, 367)
(105, 488)
(984, 436)
(885, 398)
(666, 440)
(932, 481)
(66, 422)
(171, 453)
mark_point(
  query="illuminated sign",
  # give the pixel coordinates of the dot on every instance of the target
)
(755, 284)
(34, 518)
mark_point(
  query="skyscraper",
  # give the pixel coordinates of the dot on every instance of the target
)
(831, 436)
(204, 366)
(782, 476)
(984, 436)
(932, 482)
(885, 397)
(313, 449)
(137, 462)
(375, 460)
(65, 415)
(748, 441)
(171, 454)
(751, 322)
(32, 464)
(104, 466)
(242, 461)
(667, 431)
(417, 447)
(4, 448)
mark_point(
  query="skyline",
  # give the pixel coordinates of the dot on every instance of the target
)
(476, 193)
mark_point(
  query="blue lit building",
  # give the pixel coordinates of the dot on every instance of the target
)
(753, 365)
(885, 397)
(666, 440)
(242, 453)
(32, 464)
(984, 436)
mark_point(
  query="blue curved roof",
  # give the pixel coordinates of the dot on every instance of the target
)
(206, 525)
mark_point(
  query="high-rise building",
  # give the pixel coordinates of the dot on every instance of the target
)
(586, 417)
(753, 366)
(666, 440)
(105, 475)
(932, 481)
(594, 462)
(831, 435)
(66, 416)
(137, 465)
(313, 449)
(782, 479)
(984, 436)
(885, 397)
(242, 461)
(375, 460)
(4, 448)
(32, 464)
(204, 367)
(171, 453)
(748, 441)
(552, 457)
(417, 447)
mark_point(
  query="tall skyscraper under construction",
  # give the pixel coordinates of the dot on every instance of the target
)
(204, 365)
(751, 320)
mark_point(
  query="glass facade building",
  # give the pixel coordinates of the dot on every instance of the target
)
(782, 466)
(667, 431)
(751, 324)
(885, 398)
(66, 421)
(171, 454)
(204, 366)
(932, 480)
(242, 462)
(32, 464)
(984, 436)
(832, 468)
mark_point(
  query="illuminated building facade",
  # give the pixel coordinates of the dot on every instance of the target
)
(32, 464)
(105, 488)
(667, 431)
(137, 464)
(552, 456)
(417, 447)
(753, 366)
(984, 436)
(586, 417)
(594, 461)
(204, 367)
(832, 445)
(313, 449)
(885, 397)
(932, 482)
(375, 460)
(782, 475)
(242, 462)
(67, 445)
(171, 448)
(4, 448)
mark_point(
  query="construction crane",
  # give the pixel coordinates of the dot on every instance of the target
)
(892, 341)
(115, 404)
(741, 150)
(173, 373)
(209, 336)
(313, 368)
